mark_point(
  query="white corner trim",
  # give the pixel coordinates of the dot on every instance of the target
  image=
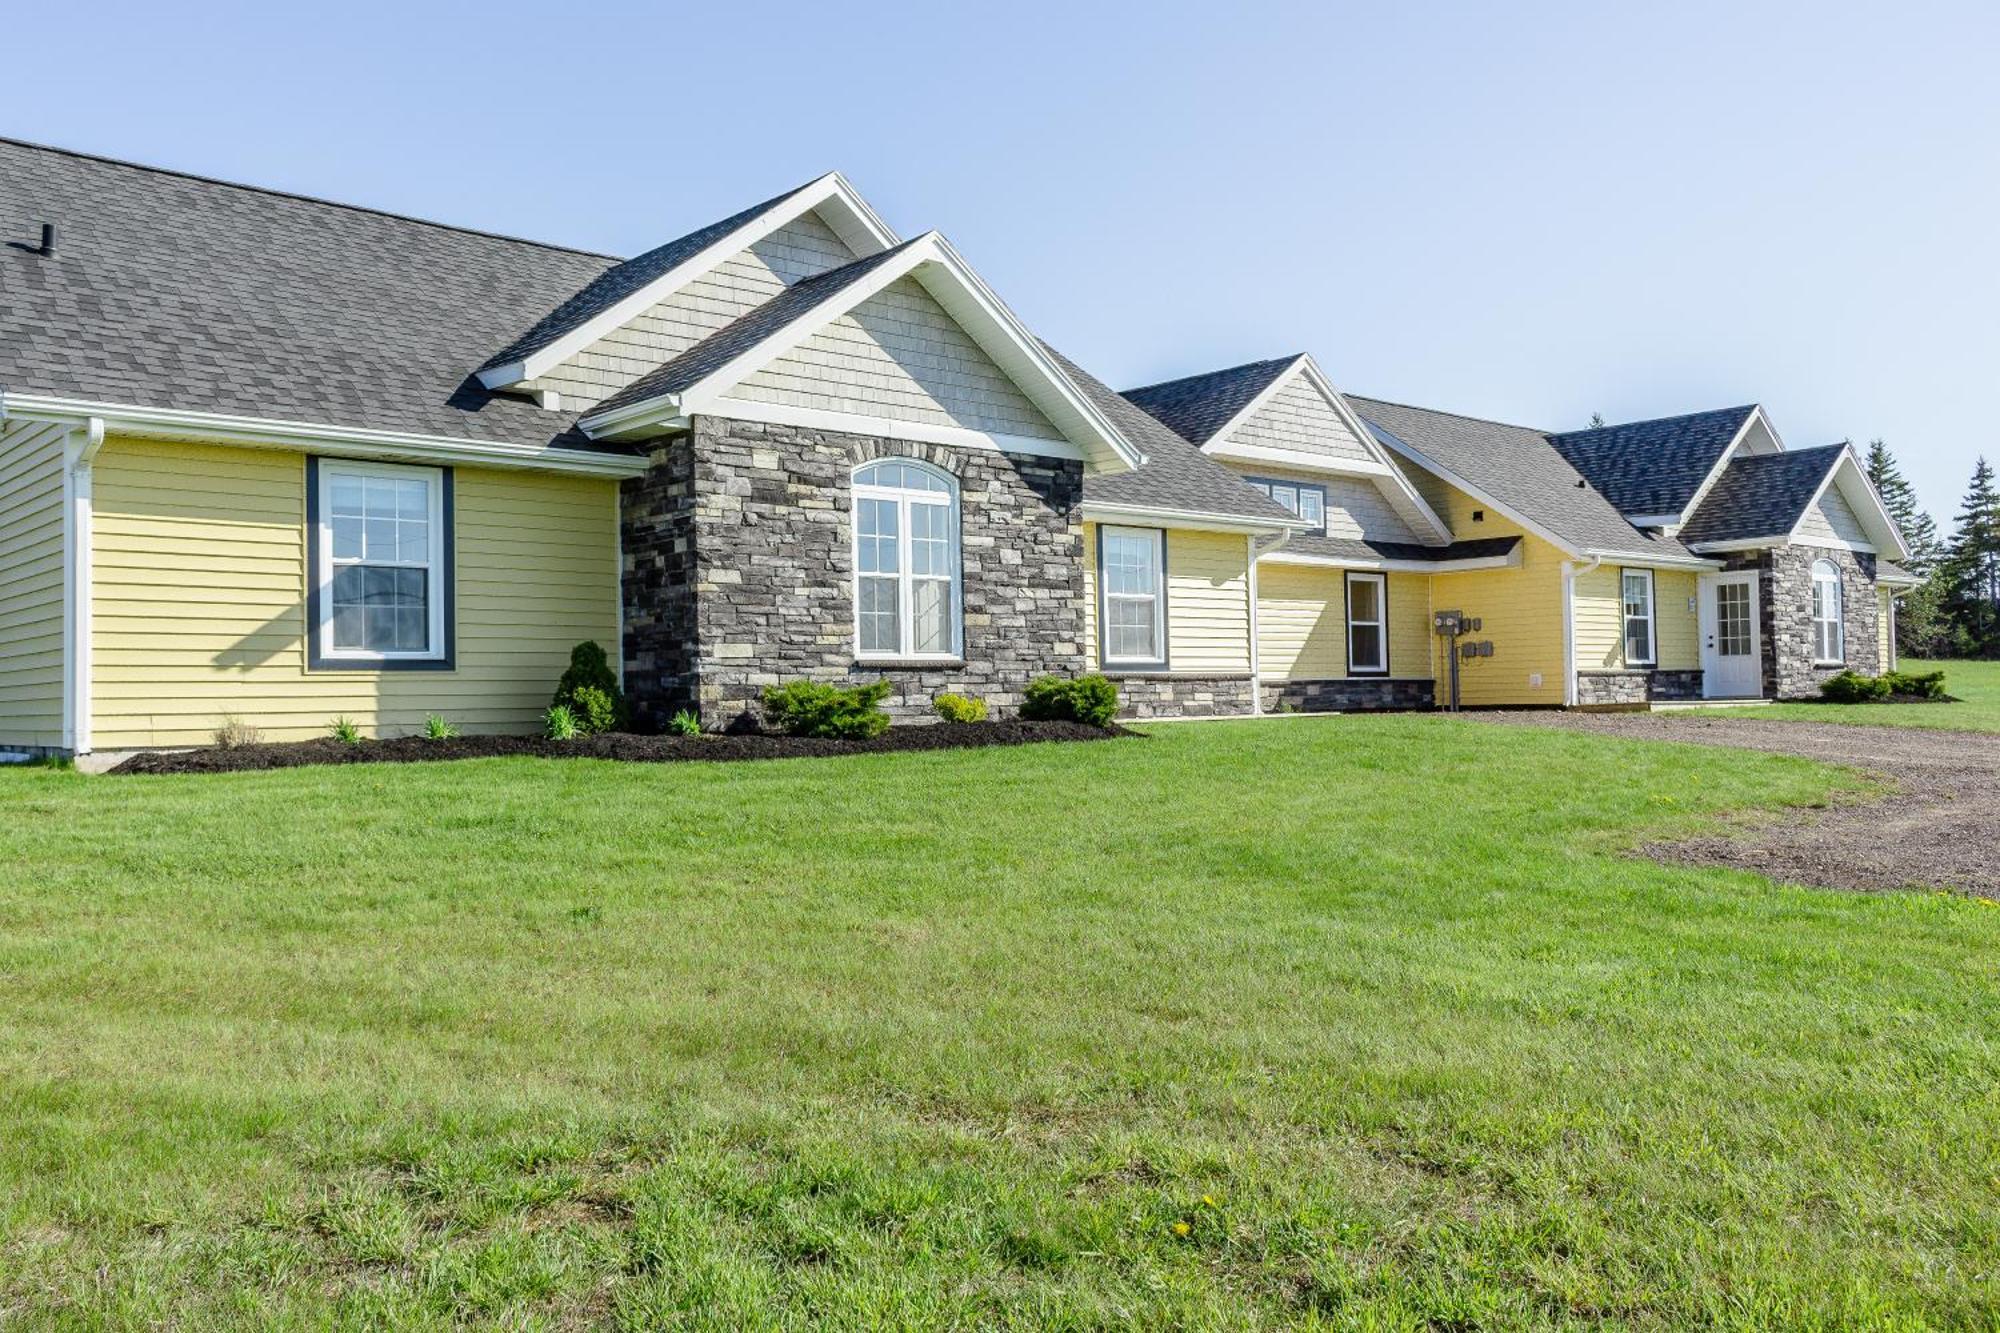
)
(80, 449)
(1569, 633)
(859, 228)
(1191, 520)
(359, 442)
(855, 423)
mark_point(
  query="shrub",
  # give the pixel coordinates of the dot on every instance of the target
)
(233, 732)
(590, 669)
(807, 708)
(595, 710)
(437, 729)
(959, 708)
(343, 730)
(1848, 688)
(1918, 685)
(684, 723)
(559, 723)
(1091, 699)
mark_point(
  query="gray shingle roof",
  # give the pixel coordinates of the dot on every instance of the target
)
(1518, 468)
(1358, 548)
(1175, 475)
(1761, 495)
(740, 335)
(622, 280)
(170, 290)
(1197, 406)
(1652, 467)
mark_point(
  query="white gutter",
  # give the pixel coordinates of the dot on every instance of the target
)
(1639, 560)
(1256, 667)
(1569, 573)
(353, 441)
(79, 452)
(1194, 520)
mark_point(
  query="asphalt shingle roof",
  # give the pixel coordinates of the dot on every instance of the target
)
(169, 290)
(1519, 468)
(1360, 548)
(1197, 406)
(1761, 495)
(1652, 467)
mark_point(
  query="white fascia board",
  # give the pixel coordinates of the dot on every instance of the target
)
(1722, 462)
(814, 418)
(1775, 540)
(359, 442)
(1512, 560)
(1390, 440)
(1643, 560)
(1194, 520)
(847, 213)
(1292, 458)
(1853, 481)
(1903, 581)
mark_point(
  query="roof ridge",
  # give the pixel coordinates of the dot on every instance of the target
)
(1653, 421)
(1446, 412)
(151, 169)
(1210, 374)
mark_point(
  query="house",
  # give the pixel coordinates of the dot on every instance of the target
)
(276, 459)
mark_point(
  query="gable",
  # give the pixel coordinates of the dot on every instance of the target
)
(800, 249)
(1831, 519)
(1297, 420)
(1356, 507)
(899, 356)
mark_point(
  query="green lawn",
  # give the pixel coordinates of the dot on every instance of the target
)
(1354, 1023)
(1976, 684)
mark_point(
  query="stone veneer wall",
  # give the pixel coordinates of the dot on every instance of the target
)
(1784, 597)
(1358, 694)
(739, 571)
(1142, 695)
(1597, 689)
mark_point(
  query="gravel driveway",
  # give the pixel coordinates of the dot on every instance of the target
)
(1936, 825)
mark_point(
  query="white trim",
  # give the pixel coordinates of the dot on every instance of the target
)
(1379, 667)
(1833, 544)
(1645, 560)
(268, 433)
(1721, 464)
(1709, 630)
(1569, 633)
(80, 450)
(819, 418)
(905, 498)
(433, 567)
(1743, 544)
(1142, 665)
(1839, 618)
(1883, 524)
(1904, 581)
(1194, 520)
(1625, 618)
(1256, 678)
(1304, 462)
(863, 233)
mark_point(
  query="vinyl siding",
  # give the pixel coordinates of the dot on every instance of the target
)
(1600, 620)
(797, 250)
(1832, 519)
(199, 600)
(899, 355)
(1208, 602)
(31, 585)
(1355, 507)
(1298, 419)
(1885, 630)
(1302, 623)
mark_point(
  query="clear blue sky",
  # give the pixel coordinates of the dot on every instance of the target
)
(1526, 212)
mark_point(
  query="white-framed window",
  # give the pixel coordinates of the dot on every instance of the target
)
(1367, 624)
(1131, 571)
(382, 564)
(1829, 643)
(1636, 591)
(1300, 497)
(906, 561)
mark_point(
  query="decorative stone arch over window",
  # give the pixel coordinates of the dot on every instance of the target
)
(908, 565)
(1828, 615)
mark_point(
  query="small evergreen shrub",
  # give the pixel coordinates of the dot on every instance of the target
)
(343, 730)
(1916, 684)
(1848, 688)
(807, 708)
(437, 729)
(595, 710)
(959, 708)
(559, 723)
(233, 732)
(684, 723)
(1091, 699)
(590, 669)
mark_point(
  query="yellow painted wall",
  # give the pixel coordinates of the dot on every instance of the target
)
(1302, 623)
(1600, 620)
(199, 599)
(31, 585)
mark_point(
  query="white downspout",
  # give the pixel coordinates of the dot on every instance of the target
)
(1256, 667)
(79, 452)
(1569, 576)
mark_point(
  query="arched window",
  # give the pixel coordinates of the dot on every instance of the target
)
(1829, 643)
(906, 577)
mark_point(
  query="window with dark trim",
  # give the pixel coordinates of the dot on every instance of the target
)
(1367, 624)
(1636, 593)
(1303, 498)
(380, 586)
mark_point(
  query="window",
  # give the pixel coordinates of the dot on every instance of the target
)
(381, 553)
(1829, 644)
(1638, 596)
(906, 576)
(1301, 498)
(1367, 616)
(1131, 564)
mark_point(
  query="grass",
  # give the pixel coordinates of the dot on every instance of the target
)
(1976, 685)
(1352, 1023)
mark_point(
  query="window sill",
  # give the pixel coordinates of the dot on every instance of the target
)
(909, 663)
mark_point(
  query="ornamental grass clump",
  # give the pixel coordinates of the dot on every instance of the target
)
(560, 724)
(1091, 699)
(437, 729)
(343, 730)
(808, 708)
(684, 723)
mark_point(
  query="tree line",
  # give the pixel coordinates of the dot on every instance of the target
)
(1956, 613)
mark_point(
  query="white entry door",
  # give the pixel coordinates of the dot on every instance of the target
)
(1732, 665)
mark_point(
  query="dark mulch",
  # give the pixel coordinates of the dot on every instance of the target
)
(614, 745)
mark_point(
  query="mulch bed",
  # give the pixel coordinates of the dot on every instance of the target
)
(612, 745)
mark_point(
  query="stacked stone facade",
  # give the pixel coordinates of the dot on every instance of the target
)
(1353, 695)
(1605, 689)
(1784, 598)
(739, 571)
(1163, 695)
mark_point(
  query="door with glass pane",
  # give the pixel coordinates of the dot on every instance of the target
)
(1732, 662)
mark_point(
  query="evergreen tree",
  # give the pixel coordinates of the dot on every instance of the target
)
(1597, 421)
(1971, 570)
(1900, 499)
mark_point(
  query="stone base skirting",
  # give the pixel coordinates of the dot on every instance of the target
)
(1601, 689)
(1347, 695)
(1146, 695)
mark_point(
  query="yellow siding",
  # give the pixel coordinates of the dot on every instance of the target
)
(1600, 620)
(1522, 616)
(1302, 623)
(31, 586)
(199, 599)
(1679, 623)
(1410, 646)
(1208, 601)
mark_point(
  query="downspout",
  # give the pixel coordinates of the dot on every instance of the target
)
(1569, 576)
(79, 452)
(1256, 672)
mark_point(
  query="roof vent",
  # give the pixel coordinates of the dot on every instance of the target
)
(48, 240)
